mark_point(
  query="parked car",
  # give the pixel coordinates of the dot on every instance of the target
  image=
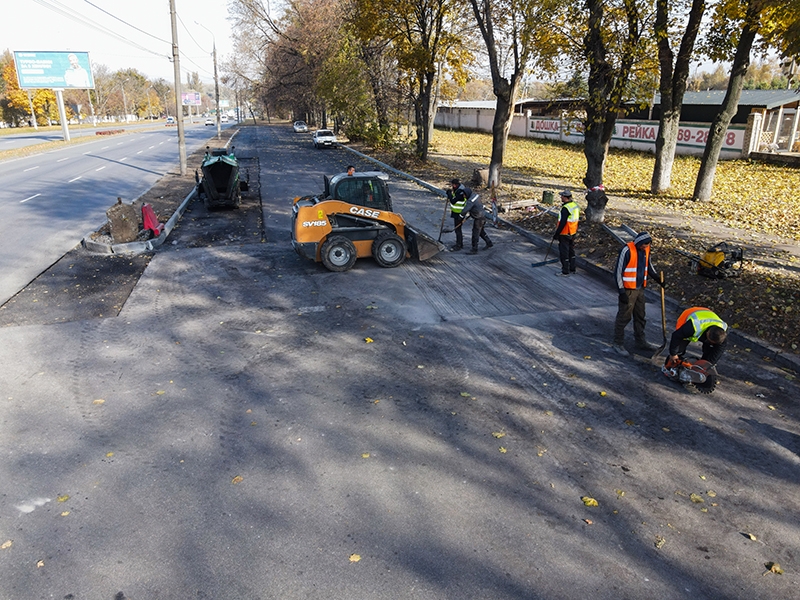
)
(300, 127)
(324, 138)
(210, 121)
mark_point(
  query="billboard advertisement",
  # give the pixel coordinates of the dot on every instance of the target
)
(190, 98)
(54, 70)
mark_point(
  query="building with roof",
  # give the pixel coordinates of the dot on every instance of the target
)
(765, 125)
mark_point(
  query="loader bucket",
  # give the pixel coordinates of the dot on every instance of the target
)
(421, 245)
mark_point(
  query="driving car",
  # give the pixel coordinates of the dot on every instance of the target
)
(300, 127)
(223, 118)
(324, 138)
(210, 121)
(170, 120)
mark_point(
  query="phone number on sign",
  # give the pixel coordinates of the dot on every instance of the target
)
(700, 136)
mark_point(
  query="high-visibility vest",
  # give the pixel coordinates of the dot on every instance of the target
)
(629, 272)
(701, 318)
(459, 205)
(571, 226)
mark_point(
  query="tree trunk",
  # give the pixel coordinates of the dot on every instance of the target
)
(503, 115)
(672, 85)
(422, 112)
(719, 127)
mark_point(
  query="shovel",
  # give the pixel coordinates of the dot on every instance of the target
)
(545, 261)
(663, 321)
(449, 230)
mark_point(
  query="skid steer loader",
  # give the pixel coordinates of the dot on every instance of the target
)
(353, 218)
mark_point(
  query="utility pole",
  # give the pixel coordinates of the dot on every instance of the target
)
(216, 77)
(176, 63)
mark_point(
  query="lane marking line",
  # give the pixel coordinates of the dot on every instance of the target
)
(100, 169)
(29, 198)
(63, 159)
(76, 179)
(30, 169)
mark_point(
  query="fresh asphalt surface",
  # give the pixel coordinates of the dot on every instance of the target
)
(253, 426)
(49, 201)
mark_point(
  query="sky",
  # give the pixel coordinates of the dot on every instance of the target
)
(123, 42)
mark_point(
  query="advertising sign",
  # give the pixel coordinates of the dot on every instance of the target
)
(54, 70)
(190, 98)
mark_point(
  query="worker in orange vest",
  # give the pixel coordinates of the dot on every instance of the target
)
(698, 324)
(565, 233)
(632, 270)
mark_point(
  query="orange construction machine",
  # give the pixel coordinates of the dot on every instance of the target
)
(352, 218)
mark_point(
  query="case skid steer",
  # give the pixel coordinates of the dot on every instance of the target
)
(352, 218)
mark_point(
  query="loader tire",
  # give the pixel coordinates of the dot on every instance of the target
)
(389, 250)
(338, 254)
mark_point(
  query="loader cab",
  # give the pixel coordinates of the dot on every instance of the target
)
(368, 189)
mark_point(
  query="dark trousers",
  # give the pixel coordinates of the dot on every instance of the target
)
(478, 232)
(566, 252)
(635, 307)
(458, 219)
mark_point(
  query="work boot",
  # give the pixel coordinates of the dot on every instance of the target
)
(488, 245)
(455, 248)
(561, 274)
(473, 251)
(620, 349)
(643, 344)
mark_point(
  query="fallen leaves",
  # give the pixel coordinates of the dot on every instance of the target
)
(6, 545)
(660, 541)
(368, 340)
(773, 567)
(589, 501)
(354, 558)
(236, 480)
(498, 434)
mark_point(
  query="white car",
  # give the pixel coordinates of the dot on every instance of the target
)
(223, 118)
(300, 127)
(324, 138)
(210, 121)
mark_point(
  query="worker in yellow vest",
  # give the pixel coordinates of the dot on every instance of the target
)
(698, 324)
(565, 233)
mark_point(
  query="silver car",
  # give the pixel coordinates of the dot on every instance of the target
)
(300, 127)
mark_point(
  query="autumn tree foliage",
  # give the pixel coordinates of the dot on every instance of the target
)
(735, 29)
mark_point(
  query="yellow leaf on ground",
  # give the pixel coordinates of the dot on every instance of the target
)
(580, 404)
(466, 394)
(603, 394)
(503, 450)
(660, 541)
(498, 434)
(750, 536)
(160, 393)
(39, 564)
(696, 498)
(98, 401)
(773, 567)
(237, 479)
(365, 455)
(63, 498)
(65, 513)
(109, 454)
(589, 501)
(355, 557)
(5, 545)
(369, 340)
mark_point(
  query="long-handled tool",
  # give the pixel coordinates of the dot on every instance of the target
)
(545, 261)
(663, 320)
(448, 230)
(444, 216)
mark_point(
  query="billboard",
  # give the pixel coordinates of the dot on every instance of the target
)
(190, 98)
(55, 70)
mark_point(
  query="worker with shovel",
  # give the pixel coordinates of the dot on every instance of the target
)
(565, 233)
(633, 267)
(457, 197)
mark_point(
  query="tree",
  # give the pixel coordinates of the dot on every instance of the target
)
(508, 28)
(674, 73)
(737, 22)
(612, 46)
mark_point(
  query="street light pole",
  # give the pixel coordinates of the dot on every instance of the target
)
(124, 99)
(216, 77)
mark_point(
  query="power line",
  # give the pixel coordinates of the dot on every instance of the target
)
(125, 22)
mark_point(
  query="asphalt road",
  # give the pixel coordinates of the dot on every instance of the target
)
(253, 426)
(50, 201)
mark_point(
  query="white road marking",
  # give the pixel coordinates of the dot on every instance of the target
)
(140, 151)
(123, 158)
(151, 147)
(104, 147)
(76, 179)
(30, 169)
(100, 169)
(29, 198)
(62, 159)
